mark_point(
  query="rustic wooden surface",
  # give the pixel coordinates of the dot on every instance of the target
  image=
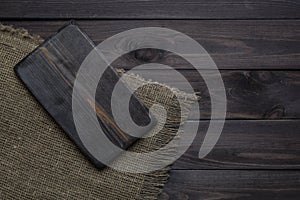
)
(150, 9)
(253, 144)
(257, 46)
(232, 184)
(233, 44)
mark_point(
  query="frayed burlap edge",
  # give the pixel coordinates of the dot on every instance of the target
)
(21, 33)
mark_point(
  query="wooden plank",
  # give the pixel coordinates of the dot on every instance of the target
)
(251, 94)
(233, 44)
(246, 144)
(150, 9)
(268, 94)
(232, 184)
(49, 73)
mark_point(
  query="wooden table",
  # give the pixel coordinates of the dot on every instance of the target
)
(255, 44)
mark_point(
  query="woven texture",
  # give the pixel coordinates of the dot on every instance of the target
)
(38, 160)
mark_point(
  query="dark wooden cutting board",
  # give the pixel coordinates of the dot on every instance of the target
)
(49, 73)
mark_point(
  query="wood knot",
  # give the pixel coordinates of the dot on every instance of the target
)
(262, 76)
(277, 111)
(148, 55)
(164, 196)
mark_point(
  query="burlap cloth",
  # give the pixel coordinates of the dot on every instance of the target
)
(38, 160)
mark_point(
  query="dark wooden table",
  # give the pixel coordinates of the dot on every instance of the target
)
(256, 45)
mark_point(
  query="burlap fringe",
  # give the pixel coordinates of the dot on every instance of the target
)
(21, 33)
(188, 97)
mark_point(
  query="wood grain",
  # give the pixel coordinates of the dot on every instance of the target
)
(233, 44)
(251, 94)
(246, 144)
(232, 184)
(150, 9)
(49, 73)
(271, 94)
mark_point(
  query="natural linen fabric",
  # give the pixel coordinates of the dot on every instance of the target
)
(38, 160)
